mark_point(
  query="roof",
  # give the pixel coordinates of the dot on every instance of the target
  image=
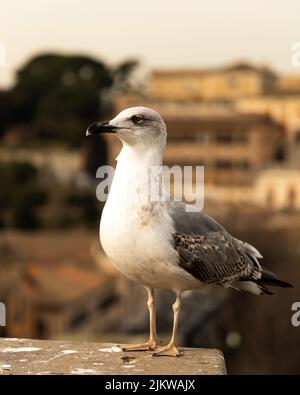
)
(61, 284)
(237, 66)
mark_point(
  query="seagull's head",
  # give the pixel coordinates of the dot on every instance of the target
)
(135, 126)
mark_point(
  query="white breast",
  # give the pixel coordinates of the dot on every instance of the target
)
(136, 234)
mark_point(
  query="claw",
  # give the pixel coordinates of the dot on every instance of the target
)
(148, 346)
(168, 351)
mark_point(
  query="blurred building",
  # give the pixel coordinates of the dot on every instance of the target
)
(283, 108)
(45, 301)
(232, 147)
(228, 83)
(241, 122)
(278, 188)
(61, 164)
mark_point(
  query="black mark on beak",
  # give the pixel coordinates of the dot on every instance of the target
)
(101, 127)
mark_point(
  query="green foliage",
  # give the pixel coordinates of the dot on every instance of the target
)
(57, 85)
(54, 91)
(68, 131)
(6, 110)
(25, 204)
(122, 74)
(20, 195)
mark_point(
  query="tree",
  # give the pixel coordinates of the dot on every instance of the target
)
(58, 95)
(58, 85)
(6, 110)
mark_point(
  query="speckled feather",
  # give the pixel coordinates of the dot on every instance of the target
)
(208, 252)
(216, 258)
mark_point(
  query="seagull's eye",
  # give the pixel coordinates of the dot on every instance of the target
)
(136, 119)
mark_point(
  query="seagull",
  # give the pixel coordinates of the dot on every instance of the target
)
(165, 243)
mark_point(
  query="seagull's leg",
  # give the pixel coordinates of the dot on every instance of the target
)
(152, 343)
(171, 350)
(151, 303)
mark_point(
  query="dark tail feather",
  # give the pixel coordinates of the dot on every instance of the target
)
(265, 290)
(251, 287)
(259, 287)
(269, 278)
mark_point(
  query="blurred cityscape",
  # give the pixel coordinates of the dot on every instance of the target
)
(241, 121)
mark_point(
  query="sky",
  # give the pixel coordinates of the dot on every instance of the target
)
(160, 33)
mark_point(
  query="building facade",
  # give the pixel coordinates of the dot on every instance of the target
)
(228, 83)
(240, 122)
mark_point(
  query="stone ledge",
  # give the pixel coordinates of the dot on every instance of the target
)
(47, 357)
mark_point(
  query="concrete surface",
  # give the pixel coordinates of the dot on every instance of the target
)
(46, 357)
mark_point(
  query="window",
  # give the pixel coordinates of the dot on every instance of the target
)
(223, 164)
(224, 138)
(245, 164)
(228, 137)
(182, 137)
(227, 164)
(241, 138)
(197, 137)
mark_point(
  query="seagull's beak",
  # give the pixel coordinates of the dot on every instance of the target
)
(101, 127)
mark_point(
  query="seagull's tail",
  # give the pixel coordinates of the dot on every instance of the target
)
(269, 278)
(259, 287)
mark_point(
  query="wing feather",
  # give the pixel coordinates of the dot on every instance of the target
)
(208, 252)
(215, 258)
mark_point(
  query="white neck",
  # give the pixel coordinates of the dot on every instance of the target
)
(139, 155)
(137, 177)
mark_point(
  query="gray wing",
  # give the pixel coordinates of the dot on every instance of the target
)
(208, 252)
